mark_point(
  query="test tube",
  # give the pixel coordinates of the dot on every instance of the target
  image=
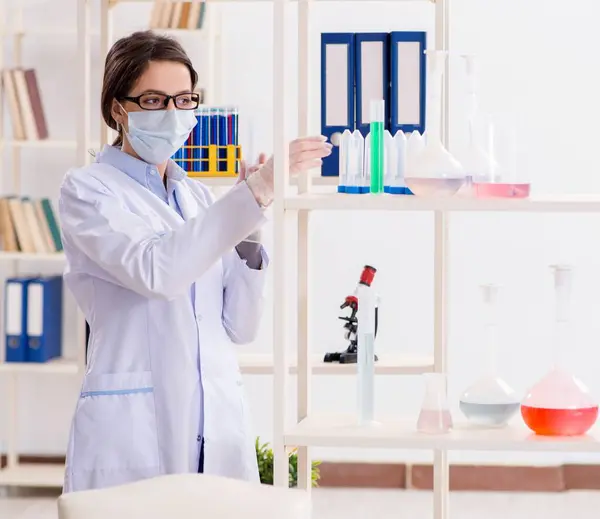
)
(223, 139)
(214, 137)
(365, 184)
(377, 145)
(355, 145)
(344, 157)
(196, 164)
(205, 137)
(396, 184)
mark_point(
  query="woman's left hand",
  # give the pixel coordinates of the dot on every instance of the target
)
(245, 171)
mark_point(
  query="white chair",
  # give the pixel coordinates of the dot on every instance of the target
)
(186, 496)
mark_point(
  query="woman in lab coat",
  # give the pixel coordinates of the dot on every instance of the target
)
(168, 278)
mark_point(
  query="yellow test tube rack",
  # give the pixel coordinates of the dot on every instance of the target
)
(211, 161)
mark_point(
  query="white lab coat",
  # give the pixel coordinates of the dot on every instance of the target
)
(131, 263)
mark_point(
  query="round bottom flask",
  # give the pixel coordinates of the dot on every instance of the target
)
(490, 402)
(559, 405)
(434, 172)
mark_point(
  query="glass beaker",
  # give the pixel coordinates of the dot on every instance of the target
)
(476, 159)
(503, 179)
(490, 401)
(434, 172)
(435, 417)
(559, 404)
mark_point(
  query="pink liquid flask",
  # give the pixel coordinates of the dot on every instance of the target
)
(560, 404)
(435, 417)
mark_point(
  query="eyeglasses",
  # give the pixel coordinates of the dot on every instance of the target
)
(151, 101)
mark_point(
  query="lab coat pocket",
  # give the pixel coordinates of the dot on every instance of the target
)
(115, 424)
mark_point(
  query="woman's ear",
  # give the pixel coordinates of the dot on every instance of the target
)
(118, 114)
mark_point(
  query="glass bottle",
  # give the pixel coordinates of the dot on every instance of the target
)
(434, 172)
(559, 404)
(435, 417)
(366, 346)
(490, 401)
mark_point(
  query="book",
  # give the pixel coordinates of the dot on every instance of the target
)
(177, 15)
(29, 225)
(25, 104)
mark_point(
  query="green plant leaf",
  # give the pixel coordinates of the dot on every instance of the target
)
(264, 459)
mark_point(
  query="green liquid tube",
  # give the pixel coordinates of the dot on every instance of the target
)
(377, 144)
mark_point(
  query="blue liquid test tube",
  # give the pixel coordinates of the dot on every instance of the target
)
(214, 131)
(197, 140)
(223, 140)
(233, 123)
(205, 138)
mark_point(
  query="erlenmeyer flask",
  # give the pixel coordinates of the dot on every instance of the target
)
(489, 402)
(559, 404)
(434, 172)
(435, 417)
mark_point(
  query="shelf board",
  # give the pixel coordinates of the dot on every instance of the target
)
(44, 31)
(230, 181)
(385, 202)
(44, 143)
(31, 256)
(58, 366)
(262, 1)
(33, 475)
(256, 364)
(342, 431)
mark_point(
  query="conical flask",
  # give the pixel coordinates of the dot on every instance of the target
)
(559, 404)
(490, 401)
(434, 172)
(435, 417)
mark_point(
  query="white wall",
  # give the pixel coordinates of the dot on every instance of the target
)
(537, 68)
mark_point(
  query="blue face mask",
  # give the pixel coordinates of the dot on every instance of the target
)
(155, 135)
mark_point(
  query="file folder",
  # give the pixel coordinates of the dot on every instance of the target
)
(408, 79)
(372, 77)
(337, 93)
(44, 318)
(15, 316)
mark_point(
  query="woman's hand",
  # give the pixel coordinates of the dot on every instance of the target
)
(245, 171)
(305, 153)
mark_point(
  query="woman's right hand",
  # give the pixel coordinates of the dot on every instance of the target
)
(305, 153)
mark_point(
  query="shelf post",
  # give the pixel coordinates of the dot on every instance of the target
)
(441, 469)
(303, 351)
(280, 312)
(106, 38)
(3, 32)
(17, 62)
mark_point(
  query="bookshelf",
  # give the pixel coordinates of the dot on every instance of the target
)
(13, 31)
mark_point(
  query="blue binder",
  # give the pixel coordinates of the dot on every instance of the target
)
(408, 80)
(372, 77)
(15, 317)
(44, 318)
(337, 93)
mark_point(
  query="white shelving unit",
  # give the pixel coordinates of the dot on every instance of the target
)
(15, 29)
(307, 429)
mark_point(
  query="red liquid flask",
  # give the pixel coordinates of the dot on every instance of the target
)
(560, 404)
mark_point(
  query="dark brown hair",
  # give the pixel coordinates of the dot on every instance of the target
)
(128, 59)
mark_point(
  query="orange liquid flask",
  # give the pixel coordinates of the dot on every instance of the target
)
(559, 404)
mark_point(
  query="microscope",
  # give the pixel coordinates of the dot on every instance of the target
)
(349, 355)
